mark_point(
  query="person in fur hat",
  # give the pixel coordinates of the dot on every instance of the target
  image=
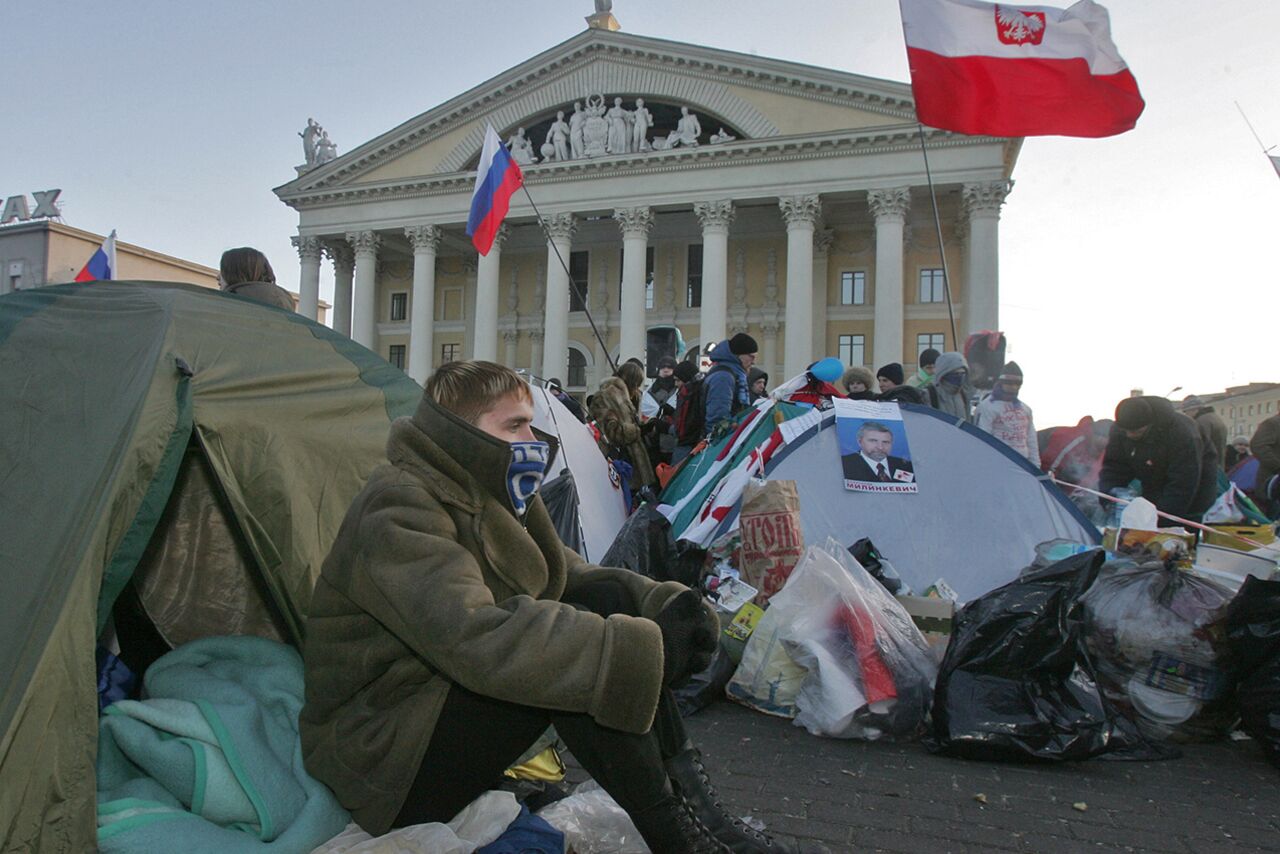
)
(1006, 417)
(858, 383)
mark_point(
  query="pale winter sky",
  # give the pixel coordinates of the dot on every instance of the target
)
(1146, 260)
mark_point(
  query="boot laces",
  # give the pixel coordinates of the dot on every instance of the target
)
(738, 823)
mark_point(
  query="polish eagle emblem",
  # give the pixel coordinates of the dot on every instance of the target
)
(1015, 26)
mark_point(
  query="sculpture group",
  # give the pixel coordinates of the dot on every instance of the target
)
(317, 148)
(594, 130)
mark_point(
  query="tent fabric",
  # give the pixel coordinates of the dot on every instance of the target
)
(979, 513)
(106, 387)
(561, 500)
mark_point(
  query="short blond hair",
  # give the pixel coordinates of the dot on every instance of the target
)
(470, 389)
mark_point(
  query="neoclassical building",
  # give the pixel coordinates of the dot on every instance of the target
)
(679, 187)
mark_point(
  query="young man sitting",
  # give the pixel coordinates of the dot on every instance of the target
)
(450, 628)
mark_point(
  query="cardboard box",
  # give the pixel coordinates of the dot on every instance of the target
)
(933, 617)
(1222, 535)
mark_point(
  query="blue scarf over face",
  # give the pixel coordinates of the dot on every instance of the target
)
(524, 476)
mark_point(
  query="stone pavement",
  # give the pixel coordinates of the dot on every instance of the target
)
(857, 796)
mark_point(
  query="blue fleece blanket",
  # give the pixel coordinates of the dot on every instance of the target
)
(211, 761)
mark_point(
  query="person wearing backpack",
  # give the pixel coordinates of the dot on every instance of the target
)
(726, 383)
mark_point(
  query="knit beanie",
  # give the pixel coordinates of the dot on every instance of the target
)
(892, 372)
(1011, 372)
(686, 371)
(742, 344)
(1134, 413)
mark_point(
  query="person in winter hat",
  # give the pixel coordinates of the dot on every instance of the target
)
(758, 382)
(726, 383)
(950, 391)
(1006, 417)
(892, 387)
(665, 384)
(889, 376)
(858, 383)
(924, 374)
(1213, 430)
(1154, 444)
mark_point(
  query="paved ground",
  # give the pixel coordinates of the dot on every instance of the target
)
(898, 797)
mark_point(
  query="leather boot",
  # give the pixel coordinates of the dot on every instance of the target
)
(693, 785)
(670, 827)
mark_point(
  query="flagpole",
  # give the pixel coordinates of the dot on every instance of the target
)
(1261, 144)
(937, 224)
(572, 284)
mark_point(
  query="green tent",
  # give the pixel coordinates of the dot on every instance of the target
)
(193, 448)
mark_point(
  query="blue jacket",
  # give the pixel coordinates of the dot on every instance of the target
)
(727, 391)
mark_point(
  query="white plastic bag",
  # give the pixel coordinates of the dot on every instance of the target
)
(1225, 509)
(593, 823)
(1140, 515)
(480, 822)
(870, 672)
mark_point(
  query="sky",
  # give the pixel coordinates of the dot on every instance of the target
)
(1147, 260)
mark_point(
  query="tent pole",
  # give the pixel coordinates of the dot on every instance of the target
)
(581, 298)
(937, 224)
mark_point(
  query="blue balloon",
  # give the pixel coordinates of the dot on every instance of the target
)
(828, 370)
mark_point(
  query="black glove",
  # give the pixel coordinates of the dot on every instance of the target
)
(689, 638)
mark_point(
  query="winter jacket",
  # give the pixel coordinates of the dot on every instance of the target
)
(615, 415)
(268, 292)
(903, 394)
(726, 391)
(1010, 421)
(433, 581)
(921, 378)
(1167, 460)
(1265, 445)
(941, 397)
(1213, 432)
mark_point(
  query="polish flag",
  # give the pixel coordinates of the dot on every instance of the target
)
(497, 180)
(1004, 70)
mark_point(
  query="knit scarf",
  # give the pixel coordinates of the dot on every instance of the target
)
(524, 476)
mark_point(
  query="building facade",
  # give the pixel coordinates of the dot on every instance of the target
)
(679, 187)
(1244, 407)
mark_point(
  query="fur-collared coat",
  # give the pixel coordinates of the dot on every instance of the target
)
(615, 415)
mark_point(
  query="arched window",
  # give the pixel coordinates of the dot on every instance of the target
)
(577, 378)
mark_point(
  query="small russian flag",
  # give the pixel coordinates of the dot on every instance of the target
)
(497, 180)
(101, 266)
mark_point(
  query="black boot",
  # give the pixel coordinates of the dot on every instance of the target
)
(693, 785)
(670, 827)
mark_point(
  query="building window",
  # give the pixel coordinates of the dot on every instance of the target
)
(927, 340)
(399, 305)
(693, 289)
(851, 349)
(395, 355)
(853, 287)
(931, 286)
(448, 353)
(648, 279)
(579, 263)
(577, 369)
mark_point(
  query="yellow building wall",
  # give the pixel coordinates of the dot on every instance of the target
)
(68, 254)
(794, 115)
(420, 161)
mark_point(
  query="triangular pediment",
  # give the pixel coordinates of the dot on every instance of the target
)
(752, 97)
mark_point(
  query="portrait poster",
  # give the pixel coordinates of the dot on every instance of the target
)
(874, 452)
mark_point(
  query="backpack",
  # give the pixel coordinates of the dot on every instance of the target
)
(691, 409)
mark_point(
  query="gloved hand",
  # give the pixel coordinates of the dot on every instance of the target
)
(690, 634)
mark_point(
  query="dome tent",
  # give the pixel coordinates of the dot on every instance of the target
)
(198, 444)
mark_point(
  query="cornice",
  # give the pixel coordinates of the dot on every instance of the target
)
(886, 97)
(781, 149)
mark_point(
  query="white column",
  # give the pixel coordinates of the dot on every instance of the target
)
(889, 207)
(486, 324)
(510, 338)
(635, 224)
(769, 353)
(555, 346)
(364, 297)
(822, 240)
(535, 353)
(425, 240)
(716, 218)
(344, 266)
(800, 214)
(309, 276)
(982, 278)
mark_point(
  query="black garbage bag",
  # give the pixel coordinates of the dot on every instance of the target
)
(866, 554)
(644, 545)
(706, 687)
(1253, 633)
(1017, 682)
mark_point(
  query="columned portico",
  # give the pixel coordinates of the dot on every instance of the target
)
(800, 214)
(715, 218)
(344, 266)
(425, 240)
(486, 323)
(635, 224)
(364, 298)
(555, 344)
(982, 282)
(889, 207)
(822, 240)
(309, 276)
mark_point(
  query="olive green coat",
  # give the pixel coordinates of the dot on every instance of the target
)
(434, 581)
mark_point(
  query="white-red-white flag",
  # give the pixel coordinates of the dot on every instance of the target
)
(1006, 70)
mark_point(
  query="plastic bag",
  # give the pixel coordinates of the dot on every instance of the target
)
(1226, 508)
(706, 687)
(767, 680)
(1159, 655)
(593, 823)
(1017, 680)
(480, 822)
(870, 559)
(870, 673)
(1253, 632)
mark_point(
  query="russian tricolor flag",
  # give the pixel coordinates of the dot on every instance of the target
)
(497, 180)
(102, 264)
